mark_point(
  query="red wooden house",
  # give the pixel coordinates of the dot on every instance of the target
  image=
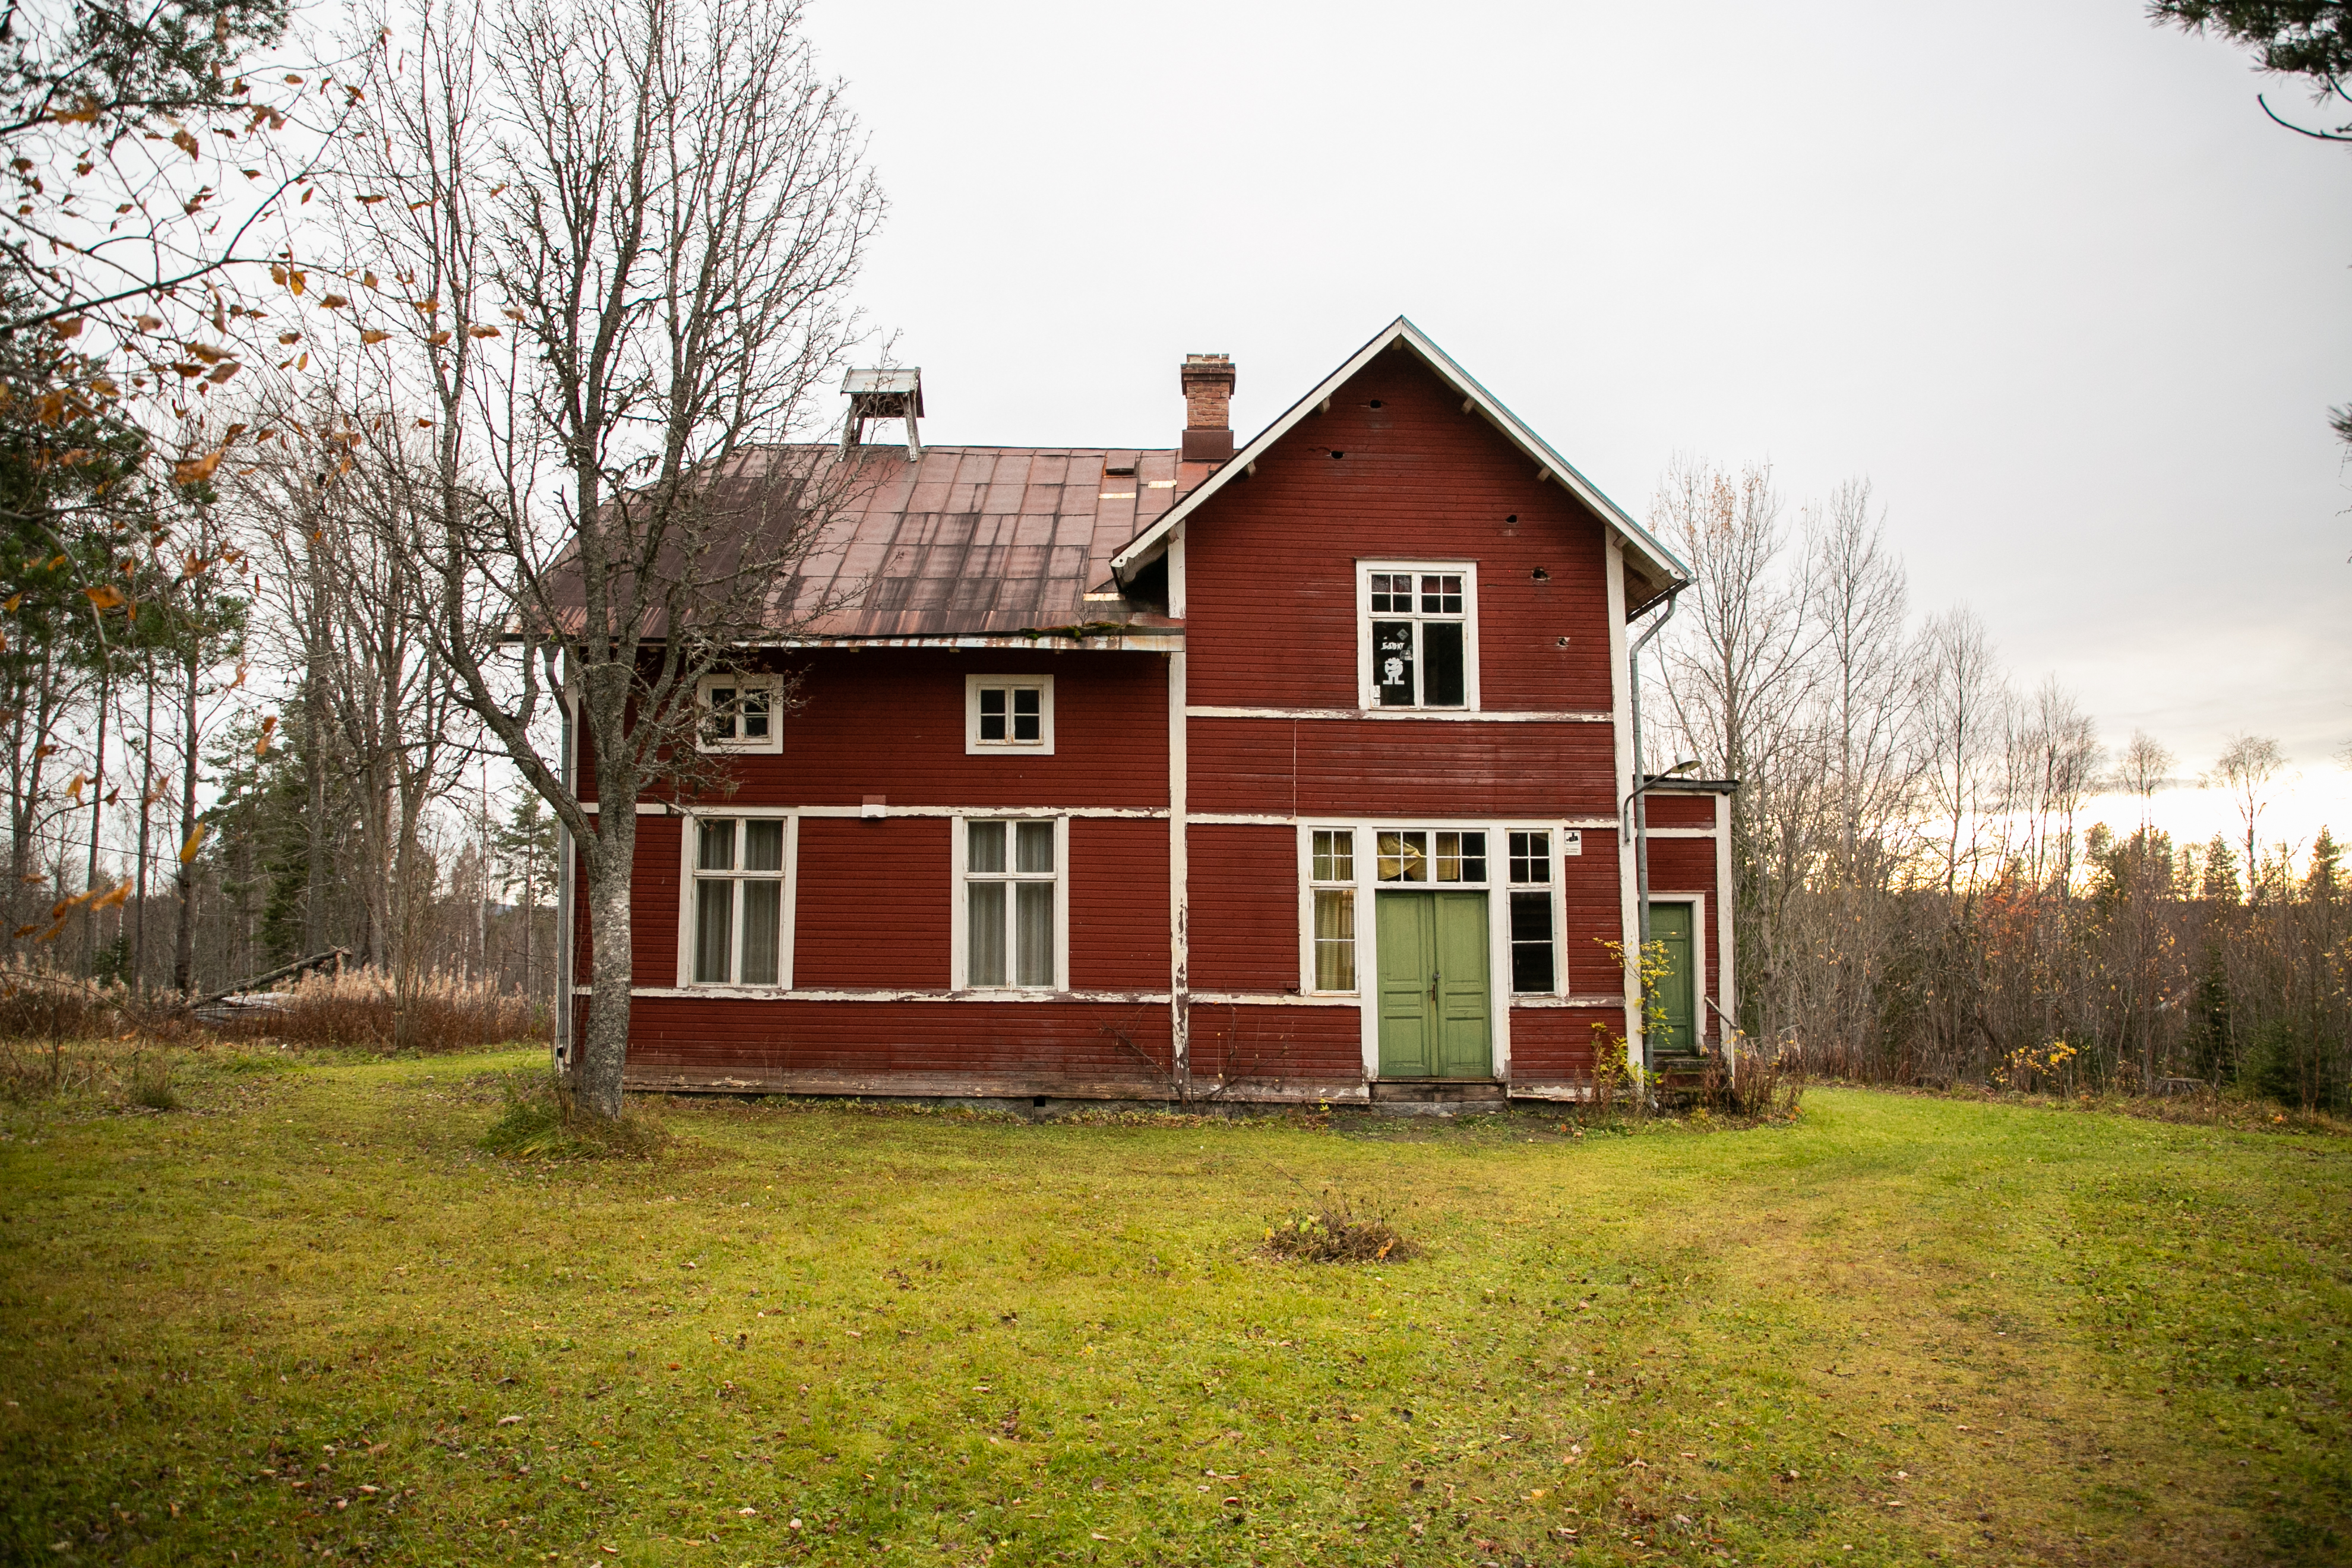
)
(1295, 772)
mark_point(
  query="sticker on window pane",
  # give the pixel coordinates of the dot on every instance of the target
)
(1442, 676)
(1530, 857)
(1392, 662)
(1335, 856)
(1335, 939)
(1403, 857)
(1531, 944)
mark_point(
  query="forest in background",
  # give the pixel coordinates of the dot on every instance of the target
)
(1923, 894)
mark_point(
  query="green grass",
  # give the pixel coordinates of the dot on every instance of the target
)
(307, 1315)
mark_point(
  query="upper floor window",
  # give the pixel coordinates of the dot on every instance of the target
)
(1008, 713)
(741, 713)
(1418, 644)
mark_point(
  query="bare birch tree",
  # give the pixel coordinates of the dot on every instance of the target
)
(2247, 765)
(1963, 703)
(616, 248)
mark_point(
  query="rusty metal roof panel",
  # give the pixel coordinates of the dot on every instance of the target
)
(971, 541)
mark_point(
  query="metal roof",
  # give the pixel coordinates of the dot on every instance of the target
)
(980, 542)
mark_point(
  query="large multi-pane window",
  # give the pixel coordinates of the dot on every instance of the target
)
(738, 901)
(1420, 637)
(1333, 873)
(1012, 880)
(1532, 947)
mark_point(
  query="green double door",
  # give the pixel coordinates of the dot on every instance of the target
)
(1434, 985)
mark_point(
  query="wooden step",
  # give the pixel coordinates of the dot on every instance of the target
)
(1439, 1096)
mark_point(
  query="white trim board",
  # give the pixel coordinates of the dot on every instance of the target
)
(1402, 333)
(1442, 715)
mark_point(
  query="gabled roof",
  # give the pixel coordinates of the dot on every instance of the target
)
(1648, 559)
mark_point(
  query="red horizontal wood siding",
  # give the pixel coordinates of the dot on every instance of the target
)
(1264, 1044)
(1555, 1045)
(890, 721)
(1270, 580)
(874, 904)
(1680, 810)
(1244, 885)
(1119, 904)
(1386, 767)
(1593, 914)
(1089, 1042)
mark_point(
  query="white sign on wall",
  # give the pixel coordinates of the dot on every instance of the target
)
(1571, 841)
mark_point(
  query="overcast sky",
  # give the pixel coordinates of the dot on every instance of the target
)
(2042, 273)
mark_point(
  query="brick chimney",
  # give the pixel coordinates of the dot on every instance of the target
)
(1208, 407)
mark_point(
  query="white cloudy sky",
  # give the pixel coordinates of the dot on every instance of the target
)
(2042, 273)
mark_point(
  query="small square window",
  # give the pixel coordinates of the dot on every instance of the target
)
(741, 713)
(1009, 713)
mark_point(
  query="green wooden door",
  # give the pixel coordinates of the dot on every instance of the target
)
(1434, 985)
(1671, 924)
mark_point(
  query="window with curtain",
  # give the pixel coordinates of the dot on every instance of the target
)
(1333, 874)
(738, 901)
(1012, 880)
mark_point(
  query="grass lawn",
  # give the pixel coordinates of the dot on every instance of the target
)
(306, 1317)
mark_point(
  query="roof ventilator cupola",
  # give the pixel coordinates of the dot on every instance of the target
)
(884, 395)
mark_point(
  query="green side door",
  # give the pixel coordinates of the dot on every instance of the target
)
(1671, 924)
(1434, 982)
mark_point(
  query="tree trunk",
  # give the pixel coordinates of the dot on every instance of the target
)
(603, 1053)
(184, 940)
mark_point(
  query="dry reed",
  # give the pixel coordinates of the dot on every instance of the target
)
(362, 1007)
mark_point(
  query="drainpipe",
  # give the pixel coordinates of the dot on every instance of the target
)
(1638, 828)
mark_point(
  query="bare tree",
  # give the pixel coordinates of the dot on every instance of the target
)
(2145, 767)
(2247, 765)
(1964, 701)
(621, 241)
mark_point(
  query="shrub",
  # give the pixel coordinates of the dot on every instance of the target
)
(544, 1120)
(1332, 1231)
(39, 1004)
(362, 1007)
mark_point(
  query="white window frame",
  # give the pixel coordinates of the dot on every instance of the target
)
(973, 746)
(771, 744)
(1308, 886)
(691, 875)
(959, 902)
(1554, 867)
(1367, 689)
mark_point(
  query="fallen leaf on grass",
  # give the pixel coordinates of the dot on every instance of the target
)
(508, 1420)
